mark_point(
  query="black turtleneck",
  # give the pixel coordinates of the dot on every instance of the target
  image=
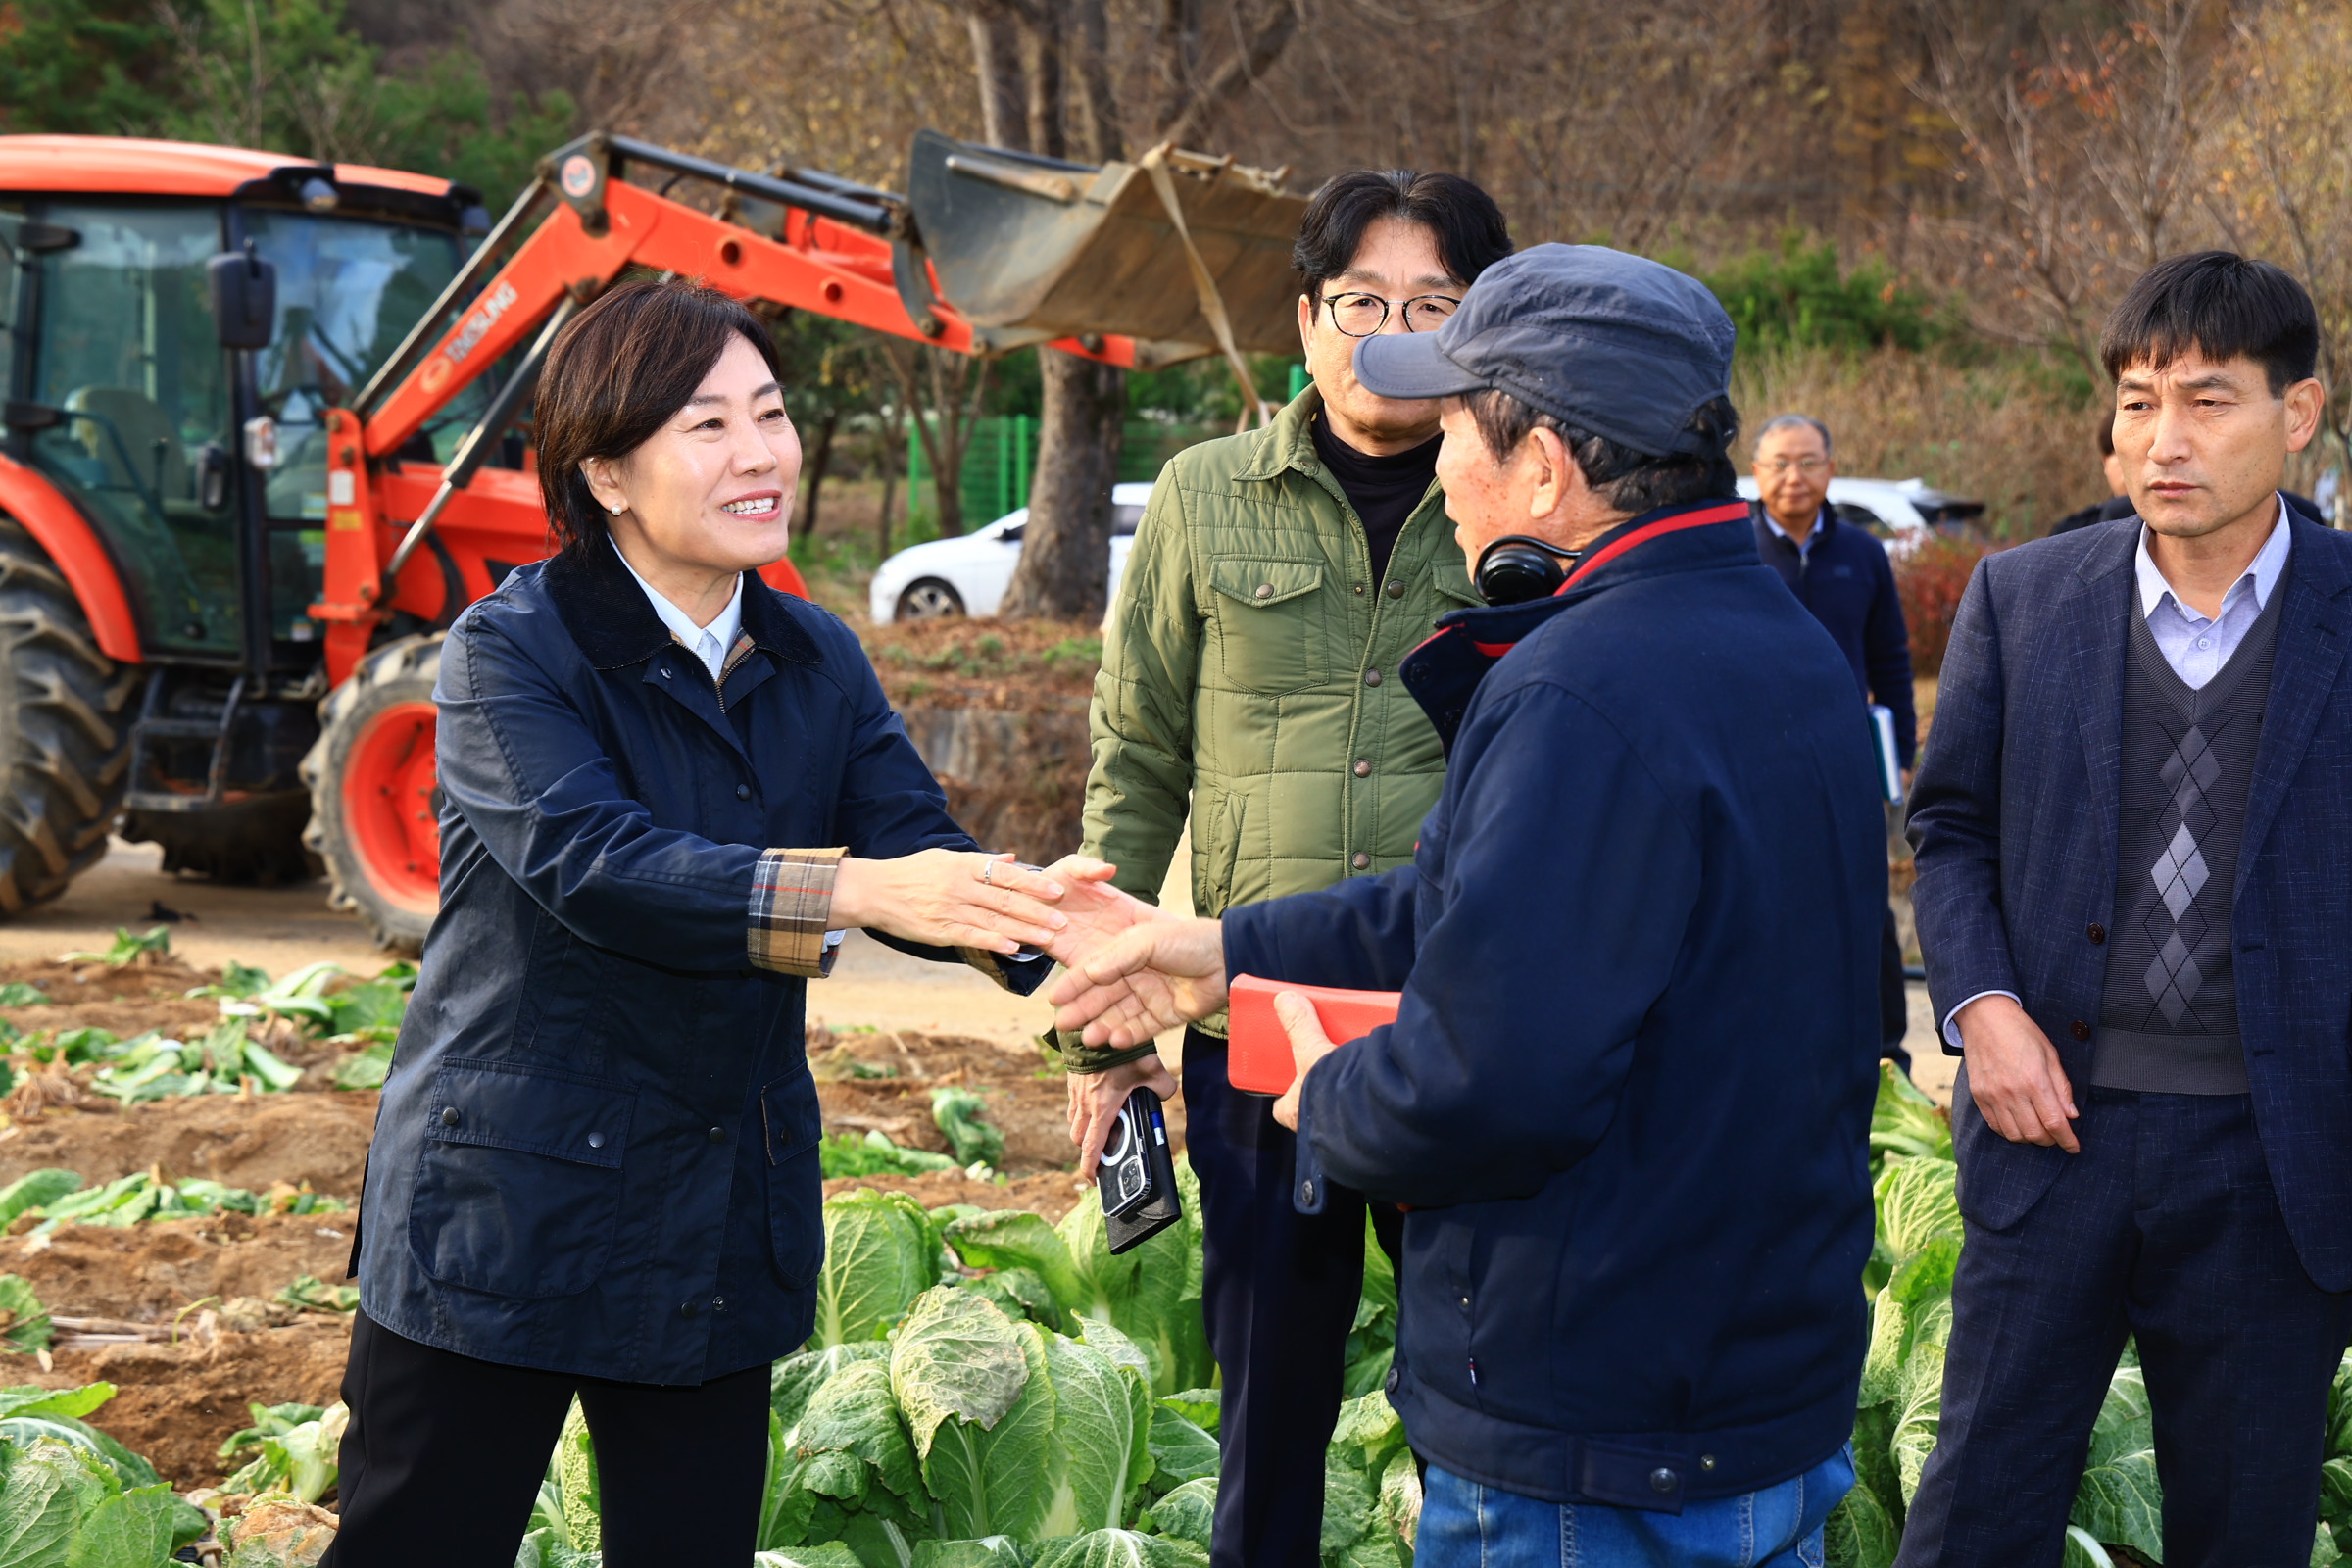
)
(1383, 490)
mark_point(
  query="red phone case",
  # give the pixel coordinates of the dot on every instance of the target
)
(1259, 1058)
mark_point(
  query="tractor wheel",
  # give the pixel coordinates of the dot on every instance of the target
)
(65, 729)
(374, 795)
(256, 841)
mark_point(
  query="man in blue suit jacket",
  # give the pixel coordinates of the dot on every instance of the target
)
(2134, 825)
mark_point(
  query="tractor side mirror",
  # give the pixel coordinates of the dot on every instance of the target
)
(244, 298)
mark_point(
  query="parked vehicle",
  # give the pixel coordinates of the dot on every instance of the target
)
(968, 575)
(1901, 511)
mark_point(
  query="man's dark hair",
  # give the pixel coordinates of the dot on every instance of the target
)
(1471, 233)
(1630, 481)
(615, 374)
(2221, 305)
(2107, 434)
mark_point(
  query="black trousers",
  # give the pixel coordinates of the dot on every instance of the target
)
(1279, 1289)
(2165, 1228)
(443, 1455)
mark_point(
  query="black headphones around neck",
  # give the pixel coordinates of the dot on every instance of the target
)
(1517, 569)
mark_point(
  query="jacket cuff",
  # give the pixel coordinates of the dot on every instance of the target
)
(1079, 1057)
(1007, 969)
(791, 904)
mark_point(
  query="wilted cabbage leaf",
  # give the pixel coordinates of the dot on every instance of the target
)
(999, 1480)
(956, 1354)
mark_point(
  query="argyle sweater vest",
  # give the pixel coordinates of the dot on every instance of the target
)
(2169, 1021)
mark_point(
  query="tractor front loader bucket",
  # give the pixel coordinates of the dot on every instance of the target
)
(1040, 248)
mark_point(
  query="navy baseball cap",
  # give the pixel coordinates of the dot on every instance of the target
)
(1614, 344)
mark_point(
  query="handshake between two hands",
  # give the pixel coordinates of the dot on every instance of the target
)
(1133, 971)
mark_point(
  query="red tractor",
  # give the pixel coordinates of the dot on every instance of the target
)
(256, 459)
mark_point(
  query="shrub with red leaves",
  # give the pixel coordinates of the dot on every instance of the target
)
(1931, 578)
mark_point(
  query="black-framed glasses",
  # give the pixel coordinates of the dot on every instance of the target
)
(1362, 314)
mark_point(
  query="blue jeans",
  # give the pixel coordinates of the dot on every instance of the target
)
(1466, 1524)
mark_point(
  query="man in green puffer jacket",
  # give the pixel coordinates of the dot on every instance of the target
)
(1276, 581)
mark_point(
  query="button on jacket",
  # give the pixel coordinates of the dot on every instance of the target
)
(1242, 669)
(597, 1152)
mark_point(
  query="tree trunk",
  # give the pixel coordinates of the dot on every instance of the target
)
(894, 450)
(1003, 88)
(1065, 550)
(813, 471)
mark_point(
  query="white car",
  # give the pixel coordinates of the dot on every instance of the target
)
(1901, 511)
(968, 575)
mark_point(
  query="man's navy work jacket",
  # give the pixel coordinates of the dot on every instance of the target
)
(1627, 1094)
(1845, 580)
(597, 1152)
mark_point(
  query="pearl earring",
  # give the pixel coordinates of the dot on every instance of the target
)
(616, 508)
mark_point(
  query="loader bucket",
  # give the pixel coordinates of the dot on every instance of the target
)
(1039, 246)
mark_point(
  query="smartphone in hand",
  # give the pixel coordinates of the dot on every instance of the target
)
(1136, 1177)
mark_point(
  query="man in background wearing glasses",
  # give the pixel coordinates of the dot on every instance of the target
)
(1277, 579)
(1841, 574)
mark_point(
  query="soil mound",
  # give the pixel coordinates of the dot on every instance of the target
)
(295, 1138)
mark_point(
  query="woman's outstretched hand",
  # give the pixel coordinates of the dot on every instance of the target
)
(955, 898)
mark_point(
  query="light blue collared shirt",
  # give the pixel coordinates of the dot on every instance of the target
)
(710, 644)
(2194, 645)
(2197, 646)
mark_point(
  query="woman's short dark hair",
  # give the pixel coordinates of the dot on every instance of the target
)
(1470, 230)
(615, 374)
(1630, 481)
(2221, 305)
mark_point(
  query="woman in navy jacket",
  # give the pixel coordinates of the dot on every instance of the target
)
(595, 1170)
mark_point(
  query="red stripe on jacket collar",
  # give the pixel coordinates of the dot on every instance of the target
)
(1705, 516)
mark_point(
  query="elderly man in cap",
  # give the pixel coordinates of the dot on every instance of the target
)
(1626, 1096)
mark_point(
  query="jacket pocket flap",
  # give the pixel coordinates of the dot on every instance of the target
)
(789, 1116)
(540, 1110)
(1259, 583)
(1454, 581)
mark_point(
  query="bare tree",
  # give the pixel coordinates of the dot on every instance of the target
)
(1065, 549)
(2278, 180)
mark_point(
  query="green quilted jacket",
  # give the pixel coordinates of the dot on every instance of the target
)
(1251, 667)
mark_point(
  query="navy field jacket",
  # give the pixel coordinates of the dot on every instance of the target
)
(1845, 580)
(597, 1147)
(1628, 1095)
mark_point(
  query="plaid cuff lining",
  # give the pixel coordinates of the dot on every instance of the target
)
(792, 901)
